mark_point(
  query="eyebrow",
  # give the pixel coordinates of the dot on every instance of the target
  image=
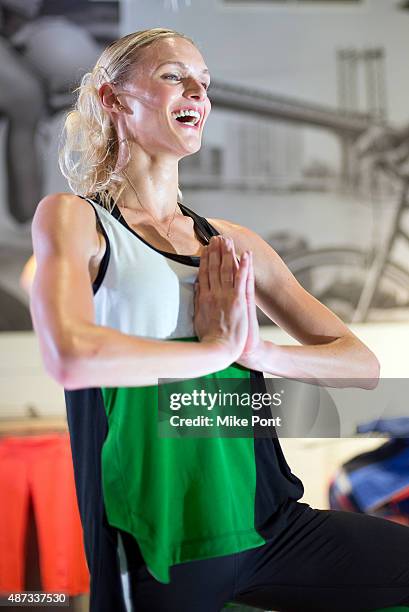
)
(182, 65)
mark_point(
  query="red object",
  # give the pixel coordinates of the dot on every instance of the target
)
(40, 466)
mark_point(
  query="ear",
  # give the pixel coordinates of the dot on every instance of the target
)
(109, 98)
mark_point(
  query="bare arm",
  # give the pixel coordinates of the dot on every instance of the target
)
(76, 351)
(331, 353)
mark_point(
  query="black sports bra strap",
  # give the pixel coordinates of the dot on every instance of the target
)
(203, 228)
(202, 225)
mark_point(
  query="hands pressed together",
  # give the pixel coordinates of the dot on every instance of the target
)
(225, 307)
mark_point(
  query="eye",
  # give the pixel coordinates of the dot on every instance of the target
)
(170, 76)
(177, 77)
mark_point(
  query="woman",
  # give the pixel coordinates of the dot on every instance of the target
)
(184, 524)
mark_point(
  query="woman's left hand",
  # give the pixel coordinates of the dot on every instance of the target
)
(249, 356)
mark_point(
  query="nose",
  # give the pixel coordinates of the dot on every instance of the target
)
(194, 90)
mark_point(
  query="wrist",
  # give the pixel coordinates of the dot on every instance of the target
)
(221, 347)
(267, 356)
(256, 358)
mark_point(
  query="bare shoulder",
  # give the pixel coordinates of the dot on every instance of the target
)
(243, 237)
(62, 207)
(268, 265)
(64, 220)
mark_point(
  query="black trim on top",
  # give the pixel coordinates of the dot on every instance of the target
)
(105, 259)
(103, 266)
(204, 231)
(201, 225)
(88, 427)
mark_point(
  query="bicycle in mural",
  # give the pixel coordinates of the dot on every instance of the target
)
(361, 284)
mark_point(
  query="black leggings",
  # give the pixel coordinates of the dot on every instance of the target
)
(325, 560)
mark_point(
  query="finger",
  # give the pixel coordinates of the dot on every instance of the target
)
(227, 264)
(196, 296)
(235, 258)
(250, 279)
(241, 274)
(214, 263)
(203, 274)
(250, 290)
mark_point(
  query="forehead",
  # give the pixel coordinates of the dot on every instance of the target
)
(175, 49)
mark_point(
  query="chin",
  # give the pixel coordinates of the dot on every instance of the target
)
(192, 151)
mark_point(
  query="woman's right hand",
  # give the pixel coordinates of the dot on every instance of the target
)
(220, 296)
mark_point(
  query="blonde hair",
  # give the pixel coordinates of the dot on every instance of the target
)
(89, 142)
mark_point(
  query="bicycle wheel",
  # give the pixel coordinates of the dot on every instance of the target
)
(336, 277)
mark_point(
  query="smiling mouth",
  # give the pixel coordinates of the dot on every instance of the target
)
(188, 125)
(187, 118)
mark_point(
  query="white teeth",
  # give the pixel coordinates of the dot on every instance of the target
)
(187, 113)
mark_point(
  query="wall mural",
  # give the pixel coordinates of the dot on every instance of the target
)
(326, 173)
(45, 47)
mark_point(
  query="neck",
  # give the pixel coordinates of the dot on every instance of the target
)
(155, 180)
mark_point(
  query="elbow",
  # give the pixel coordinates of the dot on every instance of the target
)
(63, 369)
(362, 366)
(371, 370)
(67, 362)
(66, 347)
(373, 380)
(62, 372)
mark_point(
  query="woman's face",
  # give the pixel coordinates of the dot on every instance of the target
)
(169, 77)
